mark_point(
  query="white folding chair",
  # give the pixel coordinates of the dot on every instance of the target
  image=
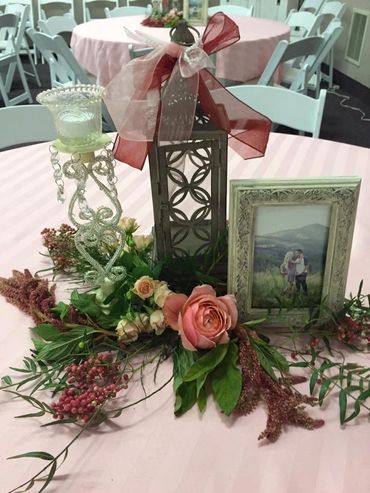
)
(51, 8)
(311, 6)
(17, 6)
(284, 107)
(302, 55)
(20, 40)
(94, 9)
(25, 124)
(64, 68)
(232, 10)
(303, 24)
(9, 60)
(124, 11)
(331, 11)
(60, 24)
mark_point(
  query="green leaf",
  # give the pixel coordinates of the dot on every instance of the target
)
(61, 309)
(200, 383)
(85, 303)
(324, 390)
(7, 380)
(31, 415)
(38, 344)
(313, 380)
(29, 363)
(207, 362)
(253, 323)
(47, 332)
(202, 399)
(186, 397)
(299, 364)
(51, 474)
(34, 455)
(182, 361)
(226, 381)
(342, 406)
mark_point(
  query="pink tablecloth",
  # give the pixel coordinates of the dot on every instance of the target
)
(148, 450)
(101, 46)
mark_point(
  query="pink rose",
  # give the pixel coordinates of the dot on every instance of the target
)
(144, 287)
(202, 319)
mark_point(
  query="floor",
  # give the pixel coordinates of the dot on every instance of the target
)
(341, 121)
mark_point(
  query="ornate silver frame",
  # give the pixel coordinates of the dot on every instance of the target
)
(341, 193)
(203, 6)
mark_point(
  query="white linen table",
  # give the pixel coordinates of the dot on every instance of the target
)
(101, 46)
(147, 449)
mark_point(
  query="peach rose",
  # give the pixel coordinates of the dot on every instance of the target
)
(142, 242)
(144, 287)
(202, 319)
(128, 224)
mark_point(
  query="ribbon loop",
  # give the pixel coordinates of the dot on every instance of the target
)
(142, 109)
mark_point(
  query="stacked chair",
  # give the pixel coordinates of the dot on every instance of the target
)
(94, 9)
(232, 10)
(124, 11)
(51, 8)
(10, 58)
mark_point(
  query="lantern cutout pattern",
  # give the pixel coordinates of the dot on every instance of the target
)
(76, 111)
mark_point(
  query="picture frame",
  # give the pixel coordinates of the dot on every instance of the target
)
(289, 246)
(195, 12)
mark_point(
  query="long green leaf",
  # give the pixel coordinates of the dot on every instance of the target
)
(313, 380)
(34, 455)
(324, 389)
(182, 361)
(342, 406)
(51, 474)
(186, 397)
(207, 362)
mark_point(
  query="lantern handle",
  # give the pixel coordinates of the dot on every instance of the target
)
(182, 35)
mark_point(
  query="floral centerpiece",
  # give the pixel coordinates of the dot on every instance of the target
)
(87, 351)
(161, 16)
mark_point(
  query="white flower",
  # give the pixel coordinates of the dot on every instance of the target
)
(141, 320)
(157, 322)
(127, 331)
(160, 293)
(143, 241)
(128, 224)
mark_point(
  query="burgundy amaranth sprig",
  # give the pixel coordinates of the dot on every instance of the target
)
(284, 405)
(29, 293)
(90, 384)
(61, 246)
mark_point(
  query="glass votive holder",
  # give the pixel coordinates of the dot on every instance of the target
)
(76, 111)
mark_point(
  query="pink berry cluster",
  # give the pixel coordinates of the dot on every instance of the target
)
(352, 331)
(90, 384)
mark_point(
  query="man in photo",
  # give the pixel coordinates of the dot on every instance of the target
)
(288, 268)
(301, 268)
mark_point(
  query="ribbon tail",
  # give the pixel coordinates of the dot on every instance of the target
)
(248, 130)
(131, 152)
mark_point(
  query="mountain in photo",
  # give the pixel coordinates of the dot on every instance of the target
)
(270, 249)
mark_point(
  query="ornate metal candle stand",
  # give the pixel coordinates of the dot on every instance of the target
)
(76, 111)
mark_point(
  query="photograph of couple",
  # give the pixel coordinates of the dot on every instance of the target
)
(290, 245)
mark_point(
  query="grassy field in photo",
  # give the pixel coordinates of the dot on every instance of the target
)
(269, 290)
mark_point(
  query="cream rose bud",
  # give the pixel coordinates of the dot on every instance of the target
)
(144, 287)
(157, 322)
(129, 224)
(127, 331)
(160, 293)
(142, 322)
(143, 241)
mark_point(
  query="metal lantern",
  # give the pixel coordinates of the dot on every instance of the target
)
(189, 202)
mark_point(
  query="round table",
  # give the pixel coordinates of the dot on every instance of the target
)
(101, 46)
(147, 449)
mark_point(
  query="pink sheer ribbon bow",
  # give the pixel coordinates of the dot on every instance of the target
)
(142, 109)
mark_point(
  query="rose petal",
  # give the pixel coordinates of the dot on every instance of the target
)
(205, 343)
(172, 308)
(186, 343)
(224, 338)
(187, 325)
(230, 302)
(202, 290)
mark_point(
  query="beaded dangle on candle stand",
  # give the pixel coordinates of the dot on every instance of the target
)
(77, 115)
(189, 202)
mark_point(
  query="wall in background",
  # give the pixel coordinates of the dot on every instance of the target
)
(360, 73)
